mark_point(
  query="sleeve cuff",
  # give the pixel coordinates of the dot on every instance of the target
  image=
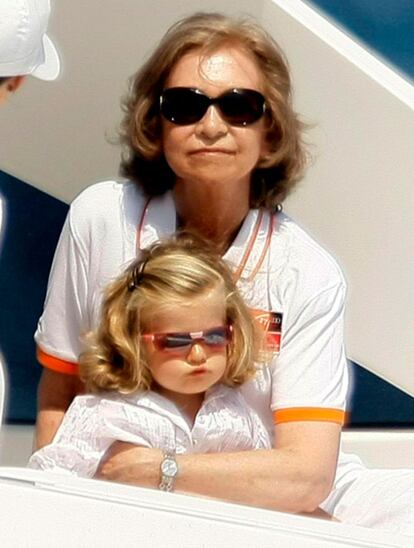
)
(56, 364)
(322, 414)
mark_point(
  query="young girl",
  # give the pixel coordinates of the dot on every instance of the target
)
(174, 342)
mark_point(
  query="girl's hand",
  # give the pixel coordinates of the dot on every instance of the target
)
(127, 463)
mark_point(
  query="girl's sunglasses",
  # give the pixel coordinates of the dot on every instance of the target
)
(238, 107)
(214, 338)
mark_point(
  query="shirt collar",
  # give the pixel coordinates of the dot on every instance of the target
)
(159, 219)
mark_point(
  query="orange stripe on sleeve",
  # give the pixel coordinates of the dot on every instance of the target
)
(57, 364)
(309, 414)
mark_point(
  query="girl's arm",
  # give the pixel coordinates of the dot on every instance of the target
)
(78, 443)
(89, 427)
(295, 477)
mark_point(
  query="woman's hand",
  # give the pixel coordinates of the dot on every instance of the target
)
(294, 477)
(127, 463)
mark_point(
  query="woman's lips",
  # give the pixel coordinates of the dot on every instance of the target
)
(210, 151)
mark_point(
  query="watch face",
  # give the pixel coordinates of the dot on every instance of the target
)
(169, 468)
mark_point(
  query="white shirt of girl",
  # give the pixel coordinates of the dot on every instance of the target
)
(224, 422)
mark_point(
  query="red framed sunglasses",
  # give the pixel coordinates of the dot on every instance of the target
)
(214, 338)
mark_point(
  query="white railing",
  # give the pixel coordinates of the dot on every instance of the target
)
(41, 509)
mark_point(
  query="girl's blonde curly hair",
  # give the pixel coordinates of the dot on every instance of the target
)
(172, 272)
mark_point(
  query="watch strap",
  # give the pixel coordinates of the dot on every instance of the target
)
(169, 471)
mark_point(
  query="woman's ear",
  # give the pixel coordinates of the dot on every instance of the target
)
(265, 150)
(265, 159)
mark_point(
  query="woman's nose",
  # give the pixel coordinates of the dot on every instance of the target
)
(211, 124)
(196, 354)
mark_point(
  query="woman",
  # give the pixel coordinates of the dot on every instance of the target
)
(213, 145)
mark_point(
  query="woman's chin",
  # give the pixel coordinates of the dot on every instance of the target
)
(213, 178)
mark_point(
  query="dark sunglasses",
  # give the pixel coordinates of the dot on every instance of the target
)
(214, 338)
(185, 106)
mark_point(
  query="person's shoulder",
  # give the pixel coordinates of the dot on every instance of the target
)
(102, 207)
(84, 402)
(303, 255)
(108, 402)
(100, 407)
(105, 196)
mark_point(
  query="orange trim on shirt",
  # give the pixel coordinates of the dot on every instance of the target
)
(252, 241)
(57, 364)
(309, 414)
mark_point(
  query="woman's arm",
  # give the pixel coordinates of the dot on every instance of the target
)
(58, 335)
(295, 477)
(55, 393)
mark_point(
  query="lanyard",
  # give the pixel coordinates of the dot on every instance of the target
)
(239, 271)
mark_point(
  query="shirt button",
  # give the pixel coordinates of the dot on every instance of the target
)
(195, 442)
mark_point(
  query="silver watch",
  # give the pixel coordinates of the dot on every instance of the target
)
(169, 471)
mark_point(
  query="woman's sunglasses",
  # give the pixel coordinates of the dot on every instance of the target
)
(214, 338)
(238, 107)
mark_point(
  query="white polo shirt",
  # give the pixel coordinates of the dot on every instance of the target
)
(108, 223)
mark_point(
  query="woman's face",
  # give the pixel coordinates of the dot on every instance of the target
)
(211, 150)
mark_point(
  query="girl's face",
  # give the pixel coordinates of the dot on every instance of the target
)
(212, 150)
(181, 372)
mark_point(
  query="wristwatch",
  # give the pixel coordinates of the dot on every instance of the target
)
(169, 471)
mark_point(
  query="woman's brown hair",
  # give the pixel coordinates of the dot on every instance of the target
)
(143, 160)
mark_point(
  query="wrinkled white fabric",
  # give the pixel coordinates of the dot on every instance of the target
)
(93, 422)
(381, 499)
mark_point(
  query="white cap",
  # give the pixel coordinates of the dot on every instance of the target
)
(25, 47)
